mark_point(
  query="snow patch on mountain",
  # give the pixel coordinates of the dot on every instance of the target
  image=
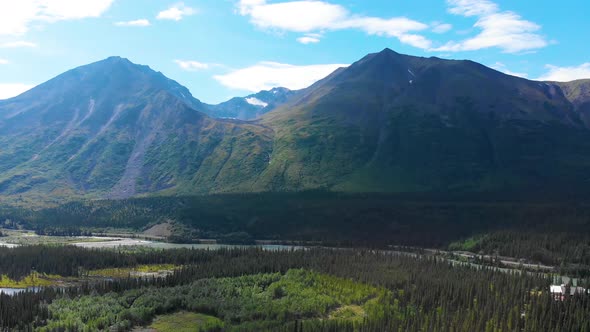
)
(256, 102)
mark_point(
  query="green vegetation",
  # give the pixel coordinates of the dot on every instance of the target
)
(32, 280)
(457, 127)
(135, 271)
(352, 313)
(576, 91)
(469, 244)
(304, 290)
(547, 230)
(187, 322)
(452, 149)
(242, 302)
(116, 129)
(35, 279)
(557, 247)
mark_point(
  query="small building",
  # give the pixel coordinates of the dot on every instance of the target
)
(559, 292)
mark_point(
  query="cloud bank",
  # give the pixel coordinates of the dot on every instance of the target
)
(505, 30)
(566, 74)
(9, 90)
(268, 75)
(312, 16)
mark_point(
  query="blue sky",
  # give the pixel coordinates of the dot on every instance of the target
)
(225, 48)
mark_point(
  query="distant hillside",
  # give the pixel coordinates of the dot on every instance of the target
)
(250, 107)
(578, 93)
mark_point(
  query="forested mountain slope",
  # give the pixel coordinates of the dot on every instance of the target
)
(393, 122)
(387, 123)
(117, 129)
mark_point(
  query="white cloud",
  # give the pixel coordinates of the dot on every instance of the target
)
(135, 23)
(415, 40)
(176, 12)
(298, 16)
(18, 44)
(4, 61)
(472, 7)
(309, 16)
(438, 27)
(9, 90)
(268, 75)
(17, 16)
(501, 29)
(566, 74)
(190, 65)
(310, 38)
(54, 10)
(499, 66)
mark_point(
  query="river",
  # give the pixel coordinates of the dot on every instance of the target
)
(122, 242)
(13, 291)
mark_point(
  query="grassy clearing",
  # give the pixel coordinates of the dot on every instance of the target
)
(349, 312)
(33, 280)
(468, 244)
(186, 322)
(133, 271)
(36, 279)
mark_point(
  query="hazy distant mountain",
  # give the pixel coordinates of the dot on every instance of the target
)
(250, 107)
(389, 122)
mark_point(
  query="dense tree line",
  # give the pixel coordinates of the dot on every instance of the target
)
(375, 220)
(69, 261)
(551, 247)
(422, 293)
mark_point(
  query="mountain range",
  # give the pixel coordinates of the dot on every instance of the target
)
(387, 123)
(250, 107)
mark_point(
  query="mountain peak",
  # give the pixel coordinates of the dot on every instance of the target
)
(117, 63)
(115, 60)
(115, 77)
(388, 50)
(279, 89)
(385, 57)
